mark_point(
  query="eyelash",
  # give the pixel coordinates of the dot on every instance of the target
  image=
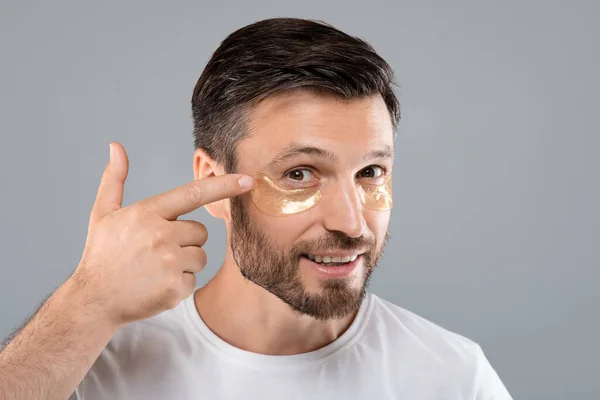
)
(384, 172)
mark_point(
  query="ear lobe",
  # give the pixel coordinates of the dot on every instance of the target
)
(216, 209)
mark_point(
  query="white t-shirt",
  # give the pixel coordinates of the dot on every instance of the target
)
(387, 353)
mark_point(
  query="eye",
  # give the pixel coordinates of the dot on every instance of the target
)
(372, 171)
(299, 175)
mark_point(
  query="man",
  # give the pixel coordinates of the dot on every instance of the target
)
(294, 131)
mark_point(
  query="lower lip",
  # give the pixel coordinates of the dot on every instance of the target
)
(340, 271)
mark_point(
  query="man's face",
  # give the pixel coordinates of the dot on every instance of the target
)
(299, 139)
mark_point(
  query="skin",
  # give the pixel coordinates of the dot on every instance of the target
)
(140, 260)
(243, 313)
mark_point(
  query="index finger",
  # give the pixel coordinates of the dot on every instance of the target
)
(193, 195)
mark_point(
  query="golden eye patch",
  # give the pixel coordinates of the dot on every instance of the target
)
(276, 201)
(377, 197)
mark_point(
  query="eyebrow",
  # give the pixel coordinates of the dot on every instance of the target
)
(296, 149)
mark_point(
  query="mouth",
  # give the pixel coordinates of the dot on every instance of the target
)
(332, 260)
(333, 265)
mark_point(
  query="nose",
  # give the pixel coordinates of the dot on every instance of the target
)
(342, 210)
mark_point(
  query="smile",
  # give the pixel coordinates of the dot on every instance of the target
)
(331, 259)
(333, 269)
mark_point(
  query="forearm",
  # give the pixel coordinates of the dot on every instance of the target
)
(54, 351)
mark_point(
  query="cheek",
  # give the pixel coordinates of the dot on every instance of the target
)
(282, 231)
(378, 222)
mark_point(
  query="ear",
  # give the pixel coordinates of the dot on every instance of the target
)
(204, 167)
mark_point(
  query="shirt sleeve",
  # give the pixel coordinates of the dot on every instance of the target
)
(488, 385)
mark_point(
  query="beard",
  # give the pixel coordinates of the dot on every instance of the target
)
(277, 270)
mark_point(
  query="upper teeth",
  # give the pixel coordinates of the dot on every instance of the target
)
(328, 259)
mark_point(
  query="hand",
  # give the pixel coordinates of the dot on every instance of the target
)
(140, 260)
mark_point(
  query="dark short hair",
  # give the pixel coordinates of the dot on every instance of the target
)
(276, 55)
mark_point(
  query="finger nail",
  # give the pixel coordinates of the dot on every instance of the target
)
(245, 182)
(111, 151)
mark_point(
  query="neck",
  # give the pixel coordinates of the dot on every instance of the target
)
(250, 318)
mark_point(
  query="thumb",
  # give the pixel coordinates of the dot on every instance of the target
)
(112, 184)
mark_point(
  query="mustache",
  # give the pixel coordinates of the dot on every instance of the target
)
(334, 240)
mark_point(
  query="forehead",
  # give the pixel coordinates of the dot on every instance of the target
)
(349, 128)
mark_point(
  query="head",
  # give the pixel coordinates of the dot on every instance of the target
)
(300, 102)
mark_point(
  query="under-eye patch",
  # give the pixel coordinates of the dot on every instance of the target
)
(276, 201)
(273, 200)
(377, 197)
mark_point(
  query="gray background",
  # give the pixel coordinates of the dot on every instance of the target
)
(495, 228)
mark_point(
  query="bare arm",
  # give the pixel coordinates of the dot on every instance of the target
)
(54, 351)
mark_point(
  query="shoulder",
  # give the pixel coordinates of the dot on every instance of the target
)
(409, 326)
(429, 349)
(418, 344)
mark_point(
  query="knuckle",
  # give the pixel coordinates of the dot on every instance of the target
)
(197, 227)
(147, 213)
(169, 259)
(139, 213)
(157, 239)
(194, 193)
(202, 258)
(226, 186)
(203, 231)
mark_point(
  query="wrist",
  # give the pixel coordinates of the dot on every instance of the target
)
(80, 308)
